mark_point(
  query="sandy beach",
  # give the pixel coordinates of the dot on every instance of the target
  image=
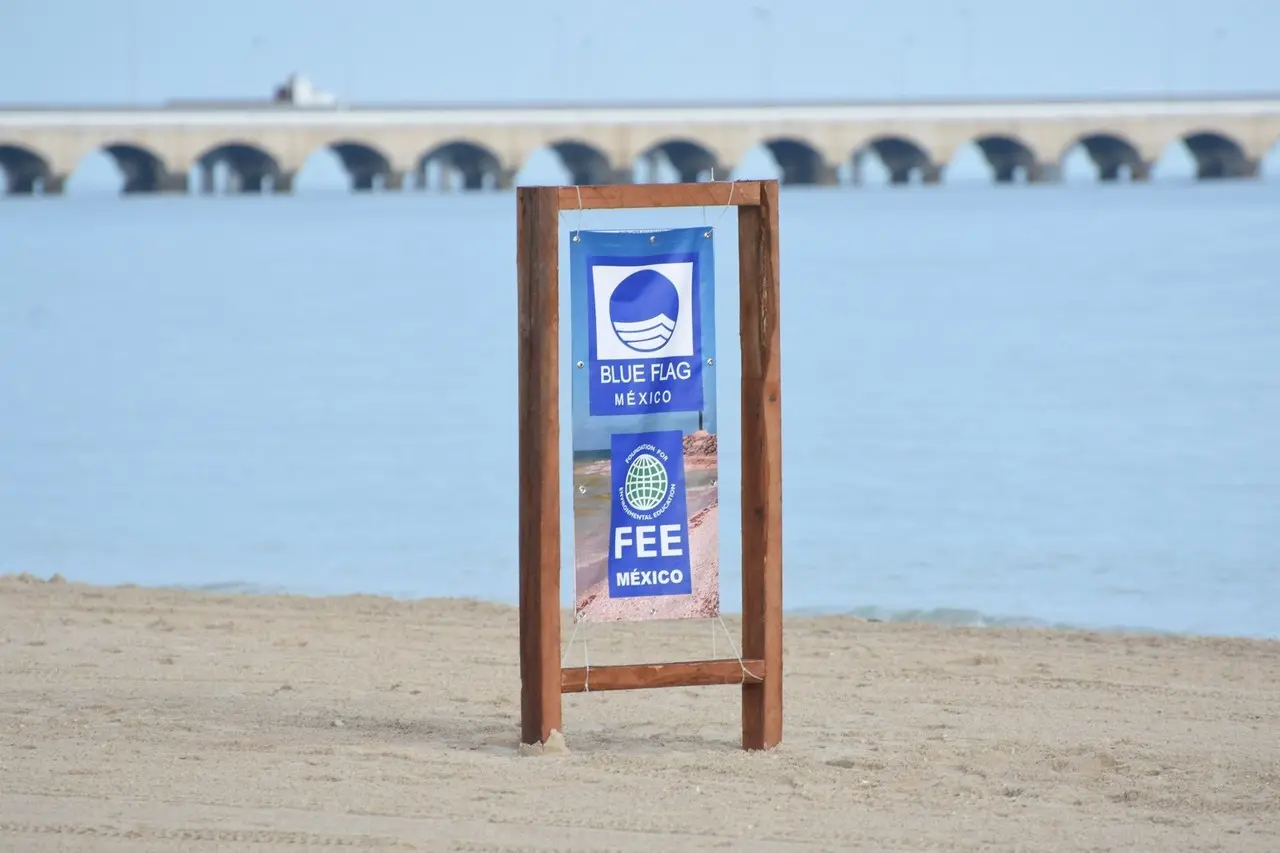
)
(158, 720)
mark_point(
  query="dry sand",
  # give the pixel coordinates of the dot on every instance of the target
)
(147, 720)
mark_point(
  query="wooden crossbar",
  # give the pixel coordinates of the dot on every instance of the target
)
(710, 194)
(700, 673)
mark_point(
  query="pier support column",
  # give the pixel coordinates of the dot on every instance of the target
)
(22, 184)
(393, 181)
(828, 176)
(620, 176)
(859, 163)
(172, 183)
(282, 184)
(931, 174)
(1006, 173)
(1209, 168)
(1109, 172)
(1044, 173)
(506, 179)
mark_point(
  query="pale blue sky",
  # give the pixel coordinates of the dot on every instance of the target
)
(148, 51)
(96, 51)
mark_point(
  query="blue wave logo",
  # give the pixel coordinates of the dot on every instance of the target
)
(643, 309)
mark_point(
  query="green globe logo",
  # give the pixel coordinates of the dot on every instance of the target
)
(646, 483)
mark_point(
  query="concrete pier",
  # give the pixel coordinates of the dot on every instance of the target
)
(263, 146)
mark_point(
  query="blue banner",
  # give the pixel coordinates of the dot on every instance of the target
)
(644, 327)
(645, 449)
(648, 520)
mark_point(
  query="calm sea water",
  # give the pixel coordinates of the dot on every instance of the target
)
(1044, 405)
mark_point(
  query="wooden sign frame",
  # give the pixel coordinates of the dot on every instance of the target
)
(542, 680)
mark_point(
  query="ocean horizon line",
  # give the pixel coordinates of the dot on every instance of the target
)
(941, 616)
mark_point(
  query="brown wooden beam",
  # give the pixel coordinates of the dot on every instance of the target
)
(708, 194)
(700, 673)
(758, 323)
(538, 310)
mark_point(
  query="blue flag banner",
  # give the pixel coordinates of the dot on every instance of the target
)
(645, 501)
(643, 342)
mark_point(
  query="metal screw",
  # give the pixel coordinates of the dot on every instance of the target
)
(652, 239)
(706, 234)
(580, 365)
(711, 361)
(577, 238)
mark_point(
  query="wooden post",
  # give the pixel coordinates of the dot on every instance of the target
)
(538, 307)
(761, 467)
(542, 681)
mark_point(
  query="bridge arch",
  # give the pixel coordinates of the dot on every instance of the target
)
(902, 155)
(365, 163)
(1111, 152)
(1218, 155)
(799, 160)
(691, 159)
(1010, 157)
(479, 165)
(585, 163)
(23, 170)
(142, 169)
(249, 166)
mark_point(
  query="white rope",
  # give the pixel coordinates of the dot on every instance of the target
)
(578, 233)
(704, 211)
(565, 657)
(586, 661)
(734, 647)
(728, 204)
(586, 651)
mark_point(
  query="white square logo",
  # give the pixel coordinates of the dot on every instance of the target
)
(643, 311)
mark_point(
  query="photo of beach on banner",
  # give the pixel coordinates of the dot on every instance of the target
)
(591, 486)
